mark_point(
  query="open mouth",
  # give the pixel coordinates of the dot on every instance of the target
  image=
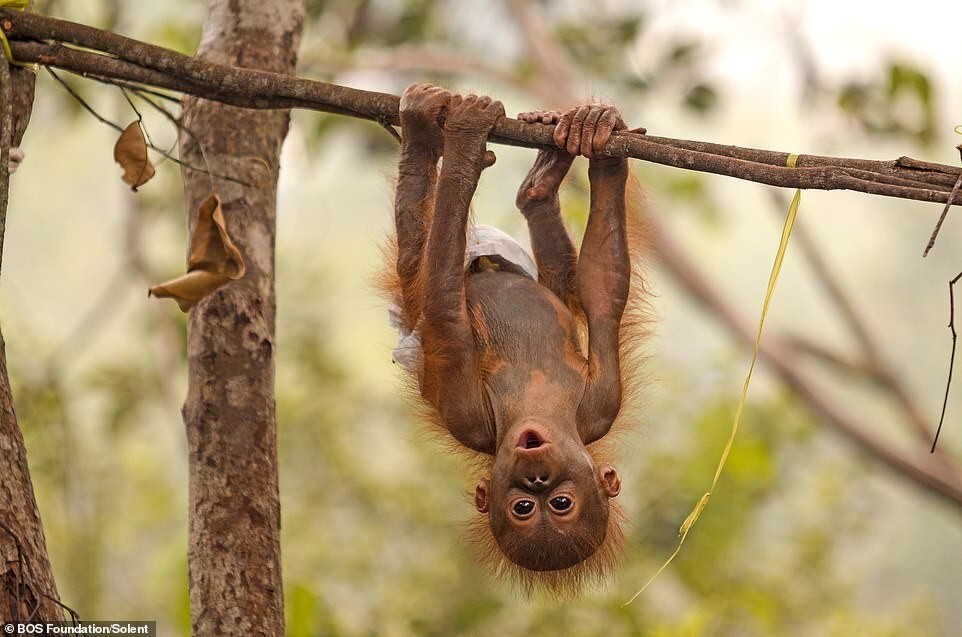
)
(530, 440)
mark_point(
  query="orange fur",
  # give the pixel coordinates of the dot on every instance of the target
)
(634, 329)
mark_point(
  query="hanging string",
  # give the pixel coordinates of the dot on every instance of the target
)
(689, 522)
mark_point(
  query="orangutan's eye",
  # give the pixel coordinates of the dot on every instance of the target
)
(523, 508)
(560, 503)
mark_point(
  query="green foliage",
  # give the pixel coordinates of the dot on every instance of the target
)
(750, 574)
(688, 193)
(321, 128)
(379, 23)
(701, 98)
(900, 103)
(600, 44)
(608, 45)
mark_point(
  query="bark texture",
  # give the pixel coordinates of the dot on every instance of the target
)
(229, 414)
(27, 587)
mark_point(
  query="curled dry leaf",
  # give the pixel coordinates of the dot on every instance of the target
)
(214, 259)
(130, 152)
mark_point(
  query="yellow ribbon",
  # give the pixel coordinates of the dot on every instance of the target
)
(772, 280)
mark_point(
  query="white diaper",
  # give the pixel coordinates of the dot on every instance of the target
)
(481, 241)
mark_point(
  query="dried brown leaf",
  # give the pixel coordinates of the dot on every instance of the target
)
(211, 247)
(130, 152)
(214, 259)
(189, 288)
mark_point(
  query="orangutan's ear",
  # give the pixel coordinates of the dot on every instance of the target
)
(610, 481)
(481, 496)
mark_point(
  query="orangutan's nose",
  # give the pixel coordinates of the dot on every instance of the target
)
(537, 482)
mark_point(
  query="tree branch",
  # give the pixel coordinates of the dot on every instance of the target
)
(108, 56)
(40, 39)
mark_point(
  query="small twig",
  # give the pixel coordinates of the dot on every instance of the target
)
(133, 107)
(74, 615)
(87, 107)
(168, 154)
(137, 89)
(945, 211)
(142, 94)
(160, 109)
(150, 144)
(948, 382)
(391, 130)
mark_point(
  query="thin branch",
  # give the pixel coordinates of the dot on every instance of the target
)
(948, 382)
(74, 615)
(126, 59)
(142, 94)
(141, 91)
(83, 103)
(945, 212)
(168, 153)
(391, 131)
(150, 144)
(133, 107)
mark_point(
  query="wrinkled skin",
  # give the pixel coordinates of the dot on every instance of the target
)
(502, 361)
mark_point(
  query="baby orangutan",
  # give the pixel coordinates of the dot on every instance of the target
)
(520, 365)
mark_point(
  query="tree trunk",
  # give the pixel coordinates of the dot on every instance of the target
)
(27, 587)
(234, 515)
(26, 580)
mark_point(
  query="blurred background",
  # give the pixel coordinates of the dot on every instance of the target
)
(807, 534)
